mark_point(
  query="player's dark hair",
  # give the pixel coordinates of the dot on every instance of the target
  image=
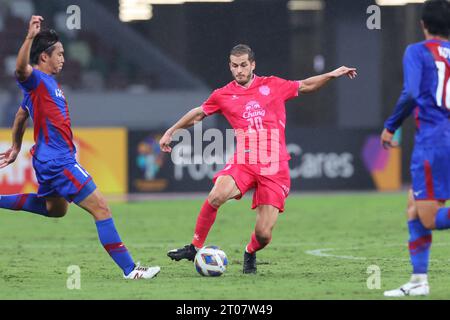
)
(436, 17)
(242, 49)
(44, 41)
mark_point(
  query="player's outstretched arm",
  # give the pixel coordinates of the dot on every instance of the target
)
(23, 67)
(188, 120)
(315, 83)
(19, 127)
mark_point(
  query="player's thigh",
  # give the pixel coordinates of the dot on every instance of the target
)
(427, 210)
(56, 206)
(266, 219)
(224, 189)
(96, 205)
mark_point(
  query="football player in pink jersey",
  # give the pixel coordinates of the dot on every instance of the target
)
(255, 108)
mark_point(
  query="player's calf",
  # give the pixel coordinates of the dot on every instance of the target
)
(56, 207)
(108, 235)
(263, 238)
(97, 206)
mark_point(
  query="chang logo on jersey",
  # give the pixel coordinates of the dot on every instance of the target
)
(253, 109)
(59, 93)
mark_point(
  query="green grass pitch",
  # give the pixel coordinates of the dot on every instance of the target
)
(321, 249)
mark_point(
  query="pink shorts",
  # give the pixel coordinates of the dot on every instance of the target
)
(271, 188)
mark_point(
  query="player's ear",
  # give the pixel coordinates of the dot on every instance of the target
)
(43, 57)
(253, 65)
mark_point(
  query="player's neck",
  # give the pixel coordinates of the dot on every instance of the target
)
(43, 69)
(249, 83)
(434, 37)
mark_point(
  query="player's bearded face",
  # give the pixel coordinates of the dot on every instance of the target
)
(242, 68)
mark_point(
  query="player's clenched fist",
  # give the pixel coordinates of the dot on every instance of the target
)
(165, 142)
(386, 140)
(35, 26)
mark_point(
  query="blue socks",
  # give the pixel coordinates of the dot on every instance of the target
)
(420, 240)
(419, 246)
(442, 219)
(26, 202)
(110, 240)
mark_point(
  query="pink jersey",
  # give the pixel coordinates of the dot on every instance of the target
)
(257, 115)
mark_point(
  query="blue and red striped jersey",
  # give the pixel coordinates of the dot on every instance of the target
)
(45, 102)
(426, 92)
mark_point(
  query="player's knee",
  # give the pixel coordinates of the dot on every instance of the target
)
(216, 199)
(412, 212)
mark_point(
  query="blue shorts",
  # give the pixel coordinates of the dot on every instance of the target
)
(63, 178)
(430, 173)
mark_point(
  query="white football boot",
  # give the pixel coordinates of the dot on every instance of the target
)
(140, 272)
(417, 286)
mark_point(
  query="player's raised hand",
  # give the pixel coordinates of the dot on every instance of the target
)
(164, 142)
(8, 157)
(35, 26)
(386, 140)
(339, 72)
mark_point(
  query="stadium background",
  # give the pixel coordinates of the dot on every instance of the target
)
(140, 76)
(127, 81)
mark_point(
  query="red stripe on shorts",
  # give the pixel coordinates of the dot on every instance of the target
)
(72, 178)
(429, 180)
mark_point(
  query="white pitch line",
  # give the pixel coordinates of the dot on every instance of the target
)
(324, 253)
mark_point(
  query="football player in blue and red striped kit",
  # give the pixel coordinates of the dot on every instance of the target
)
(426, 94)
(61, 178)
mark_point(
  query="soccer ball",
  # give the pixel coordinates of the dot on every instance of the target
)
(210, 261)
